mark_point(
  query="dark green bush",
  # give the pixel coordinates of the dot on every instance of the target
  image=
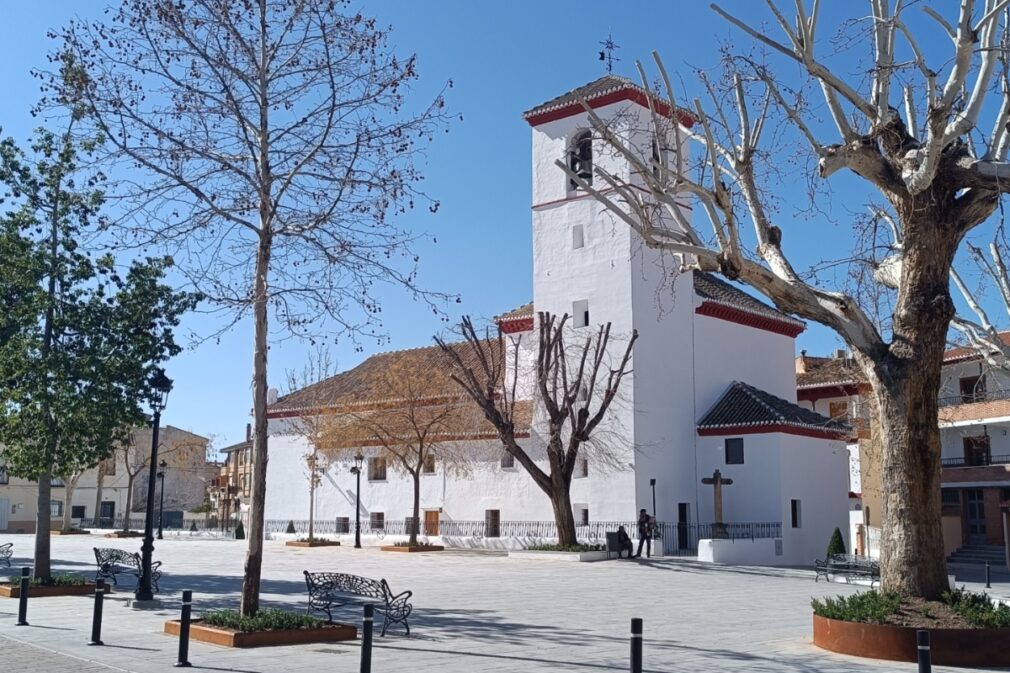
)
(572, 547)
(239, 531)
(869, 606)
(62, 580)
(978, 609)
(837, 544)
(406, 543)
(265, 620)
(291, 528)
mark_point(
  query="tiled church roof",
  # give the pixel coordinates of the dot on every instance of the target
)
(744, 406)
(821, 372)
(524, 311)
(604, 86)
(714, 289)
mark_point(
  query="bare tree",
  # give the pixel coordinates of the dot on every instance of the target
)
(135, 459)
(279, 145)
(570, 378)
(935, 166)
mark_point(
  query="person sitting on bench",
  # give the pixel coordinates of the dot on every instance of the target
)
(624, 542)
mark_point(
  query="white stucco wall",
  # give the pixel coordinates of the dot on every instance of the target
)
(753, 497)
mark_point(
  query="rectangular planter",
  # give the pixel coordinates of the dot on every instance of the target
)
(14, 591)
(570, 556)
(411, 550)
(70, 532)
(120, 533)
(314, 543)
(215, 635)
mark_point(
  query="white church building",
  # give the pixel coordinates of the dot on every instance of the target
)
(712, 387)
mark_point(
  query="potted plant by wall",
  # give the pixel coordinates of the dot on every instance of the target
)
(966, 628)
(268, 627)
(54, 585)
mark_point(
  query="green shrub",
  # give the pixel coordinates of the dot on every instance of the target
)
(571, 547)
(406, 543)
(291, 528)
(869, 607)
(61, 580)
(837, 544)
(977, 609)
(239, 531)
(265, 620)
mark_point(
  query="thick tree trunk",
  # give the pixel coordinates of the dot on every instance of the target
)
(564, 518)
(417, 506)
(43, 526)
(254, 554)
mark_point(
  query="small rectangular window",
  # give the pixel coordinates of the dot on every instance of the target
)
(578, 237)
(584, 516)
(377, 469)
(77, 512)
(3, 475)
(110, 467)
(56, 482)
(343, 524)
(796, 517)
(429, 464)
(734, 451)
(952, 496)
(508, 461)
(492, 523)
(56, 508)
(1004, 494)
(377, 520)
(580, 313)
(582, 468)
(838, 410)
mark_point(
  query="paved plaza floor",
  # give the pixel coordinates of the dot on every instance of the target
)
(473, 611)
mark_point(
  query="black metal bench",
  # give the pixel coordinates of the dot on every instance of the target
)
(6, 551)
(113, 562)
(847, 565)
(330, 590)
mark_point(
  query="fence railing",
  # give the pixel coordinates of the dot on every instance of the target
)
(975, 461)
(974, 397)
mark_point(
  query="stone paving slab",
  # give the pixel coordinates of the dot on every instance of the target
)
(472, 612)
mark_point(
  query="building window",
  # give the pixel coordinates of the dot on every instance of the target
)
(4, 479)
(583, 516)
(795, 513)
(508, 461)
(973, 388)
(77, 512)
(56, 508)
(492, 523)
(377, 469)
(582, 468)
(578, 237)
(56, 482)
(428, 467)
(734, 451)
(976, 450)
(580, 312)
(580, 159)
(343, 524)
(110, 467)
(838, 410)
(1004, 494)
(377, 520)
(950, 496)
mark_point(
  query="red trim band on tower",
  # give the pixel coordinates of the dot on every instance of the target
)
(741, 317)
(633, 95)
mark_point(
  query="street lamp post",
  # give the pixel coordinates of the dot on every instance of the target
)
(356, 470)
(160, 387)
(652, 483)
(161, 501)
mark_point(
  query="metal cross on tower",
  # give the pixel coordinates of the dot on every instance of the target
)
(607, 53)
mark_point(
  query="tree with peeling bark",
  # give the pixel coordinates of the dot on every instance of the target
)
(923, 148)
(575, 383)
(272, 145)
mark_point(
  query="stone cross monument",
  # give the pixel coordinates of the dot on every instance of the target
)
(718, 481)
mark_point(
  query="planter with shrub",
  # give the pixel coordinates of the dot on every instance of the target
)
(268, 627)
(405, 546)
(312, 542)
(55, 585)
(555, 552)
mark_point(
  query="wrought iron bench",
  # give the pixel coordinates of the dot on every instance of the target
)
(847, 565)
(112, 562)
(6, 551)
(330, 590)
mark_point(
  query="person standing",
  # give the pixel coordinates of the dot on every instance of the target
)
(644, 534)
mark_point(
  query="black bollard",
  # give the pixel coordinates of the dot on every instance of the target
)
(187, 610)
(366, 639)
(96, 617)
(23, 597)
(636, 645)
(922, 638)
(987, 584)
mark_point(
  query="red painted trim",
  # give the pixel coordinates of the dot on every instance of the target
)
(766, 429)
(516, 325)
(628, 94)
(821, 392)
(741, 317)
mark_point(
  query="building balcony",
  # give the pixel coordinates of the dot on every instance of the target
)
(958, 472)
(976, 407)
(975, 461)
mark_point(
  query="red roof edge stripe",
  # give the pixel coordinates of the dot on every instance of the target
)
(741, 317)
(769, 428)
(516, 325)
(629, 94)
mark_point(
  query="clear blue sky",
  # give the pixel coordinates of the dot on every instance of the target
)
(503, 59)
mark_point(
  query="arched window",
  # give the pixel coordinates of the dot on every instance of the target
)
(580, 158)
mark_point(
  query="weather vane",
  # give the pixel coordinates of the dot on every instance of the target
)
(607, 53)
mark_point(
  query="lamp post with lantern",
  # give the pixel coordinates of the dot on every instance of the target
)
(160, 387)
(161, 497)
(356, 470)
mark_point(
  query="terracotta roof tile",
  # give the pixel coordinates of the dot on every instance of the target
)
(711, 288)
(744, 405)
(967, 352)
(524, 311)
(597, 88)
(821, 372)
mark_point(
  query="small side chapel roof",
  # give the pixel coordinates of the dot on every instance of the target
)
(744, 408)
(711, 288)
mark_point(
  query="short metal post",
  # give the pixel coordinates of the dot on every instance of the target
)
(987, 584)
(366, 639)
(23, 597)
(636, 645)
(922, 640)
(187, 610)
(96, 617)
